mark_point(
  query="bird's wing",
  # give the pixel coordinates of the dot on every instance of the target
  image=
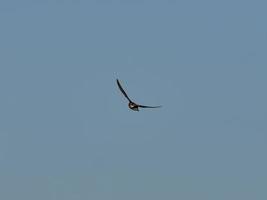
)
(122, 90)
(142, 106)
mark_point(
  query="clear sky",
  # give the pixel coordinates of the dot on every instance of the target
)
(66, 131)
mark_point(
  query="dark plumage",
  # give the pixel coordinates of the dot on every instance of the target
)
(131, 104)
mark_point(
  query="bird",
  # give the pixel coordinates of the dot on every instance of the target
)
(132, 105)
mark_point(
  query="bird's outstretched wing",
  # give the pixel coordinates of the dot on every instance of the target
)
(122, 90)
(142, 106)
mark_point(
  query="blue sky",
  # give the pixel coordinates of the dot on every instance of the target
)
(65, 129)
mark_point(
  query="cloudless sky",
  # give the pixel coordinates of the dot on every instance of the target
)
(65, 129)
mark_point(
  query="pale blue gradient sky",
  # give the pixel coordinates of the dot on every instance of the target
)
(65, 129)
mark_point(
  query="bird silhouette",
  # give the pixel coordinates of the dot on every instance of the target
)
(132, 105)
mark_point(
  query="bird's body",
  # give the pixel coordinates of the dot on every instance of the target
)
(133, 106)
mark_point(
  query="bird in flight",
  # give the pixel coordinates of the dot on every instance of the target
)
(131, 104)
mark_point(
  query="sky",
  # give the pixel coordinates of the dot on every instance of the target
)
(66, 131)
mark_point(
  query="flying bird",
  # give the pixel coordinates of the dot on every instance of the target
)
(131, 104)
